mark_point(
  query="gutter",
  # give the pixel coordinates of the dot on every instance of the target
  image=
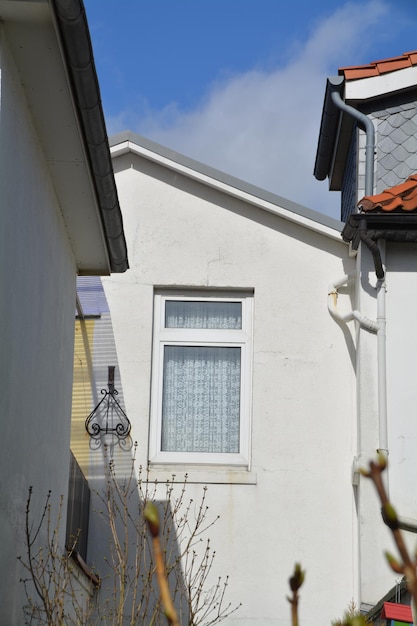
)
(71, 22)
(331, 132)
(329, 129)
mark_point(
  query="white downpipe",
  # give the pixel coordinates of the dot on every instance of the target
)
(382, 357)
(333, 294)
(378, 327)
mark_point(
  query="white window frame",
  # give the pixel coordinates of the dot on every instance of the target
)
(241, 338)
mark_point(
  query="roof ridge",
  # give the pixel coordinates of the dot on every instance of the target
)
(263, 195)
(381, 66)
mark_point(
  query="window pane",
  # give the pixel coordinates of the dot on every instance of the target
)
(189, 314)
(201, 399)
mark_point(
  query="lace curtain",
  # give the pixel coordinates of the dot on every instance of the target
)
(201, 390)
(190, 314)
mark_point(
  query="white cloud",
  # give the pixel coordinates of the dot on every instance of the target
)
(263, 126)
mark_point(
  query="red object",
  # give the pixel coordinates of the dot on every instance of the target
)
(376, 68)
(400, 612)
(401, 197)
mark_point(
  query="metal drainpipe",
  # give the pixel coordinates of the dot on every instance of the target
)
(367, 125)
(378, 252)
(369, 129)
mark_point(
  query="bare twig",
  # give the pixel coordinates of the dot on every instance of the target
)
(152, 518)
(50, 572)
(136, 561)
(408, 565)
(295, 582)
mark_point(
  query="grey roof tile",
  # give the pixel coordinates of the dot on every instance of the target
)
(398, 135)
(384, 127)
(409, 127)
(410, 144)
(400, 153)
(388, 162)
(410, 112)
(386, 144)
(396, 120)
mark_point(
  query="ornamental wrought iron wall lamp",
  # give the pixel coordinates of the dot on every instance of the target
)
(108, 418)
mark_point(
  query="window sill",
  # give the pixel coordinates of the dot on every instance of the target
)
(201, 474)
(83, 567)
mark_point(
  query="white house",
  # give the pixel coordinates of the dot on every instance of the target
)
(268, 352)
(368, 143)
(227, 294)
(59, 217)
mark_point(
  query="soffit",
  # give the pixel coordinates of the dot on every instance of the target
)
(31, 35)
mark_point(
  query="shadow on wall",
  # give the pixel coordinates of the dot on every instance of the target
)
(120, 546)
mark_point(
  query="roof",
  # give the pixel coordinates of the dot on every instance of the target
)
(329, 126)
(399, 591)
(399, 612)
(390, 215)
(377, 68)
(361, 87)
(51, 49)
(73, 28)
(128, 141)
(401, 197)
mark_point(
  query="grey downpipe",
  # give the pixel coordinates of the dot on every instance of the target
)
(374, 249)
(368, 127)
(378, 251)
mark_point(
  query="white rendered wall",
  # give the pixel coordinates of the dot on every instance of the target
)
(401, 310)
(402, 371)
(37, 299)
(299, 505)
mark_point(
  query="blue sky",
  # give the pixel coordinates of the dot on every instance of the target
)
(239, 84)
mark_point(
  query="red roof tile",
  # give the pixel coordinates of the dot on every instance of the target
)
(399, 612)
(400, 197)
(376, 68)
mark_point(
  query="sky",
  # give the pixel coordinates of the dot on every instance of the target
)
(239, 84)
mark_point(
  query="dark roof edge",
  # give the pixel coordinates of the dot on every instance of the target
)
(227, 179)
(73, 29)
(328, 128)
(390, 595)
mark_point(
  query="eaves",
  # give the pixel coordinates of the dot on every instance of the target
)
(127, 141)
(72, 26)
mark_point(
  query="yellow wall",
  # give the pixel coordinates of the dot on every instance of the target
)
(82, 396)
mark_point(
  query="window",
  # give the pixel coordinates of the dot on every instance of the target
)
(201, 378)
(78, 509)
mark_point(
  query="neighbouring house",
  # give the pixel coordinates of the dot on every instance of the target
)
(368, 150)
(59, 217)
(394, 608)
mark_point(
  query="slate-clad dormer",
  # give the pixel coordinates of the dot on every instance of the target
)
(386, 93)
